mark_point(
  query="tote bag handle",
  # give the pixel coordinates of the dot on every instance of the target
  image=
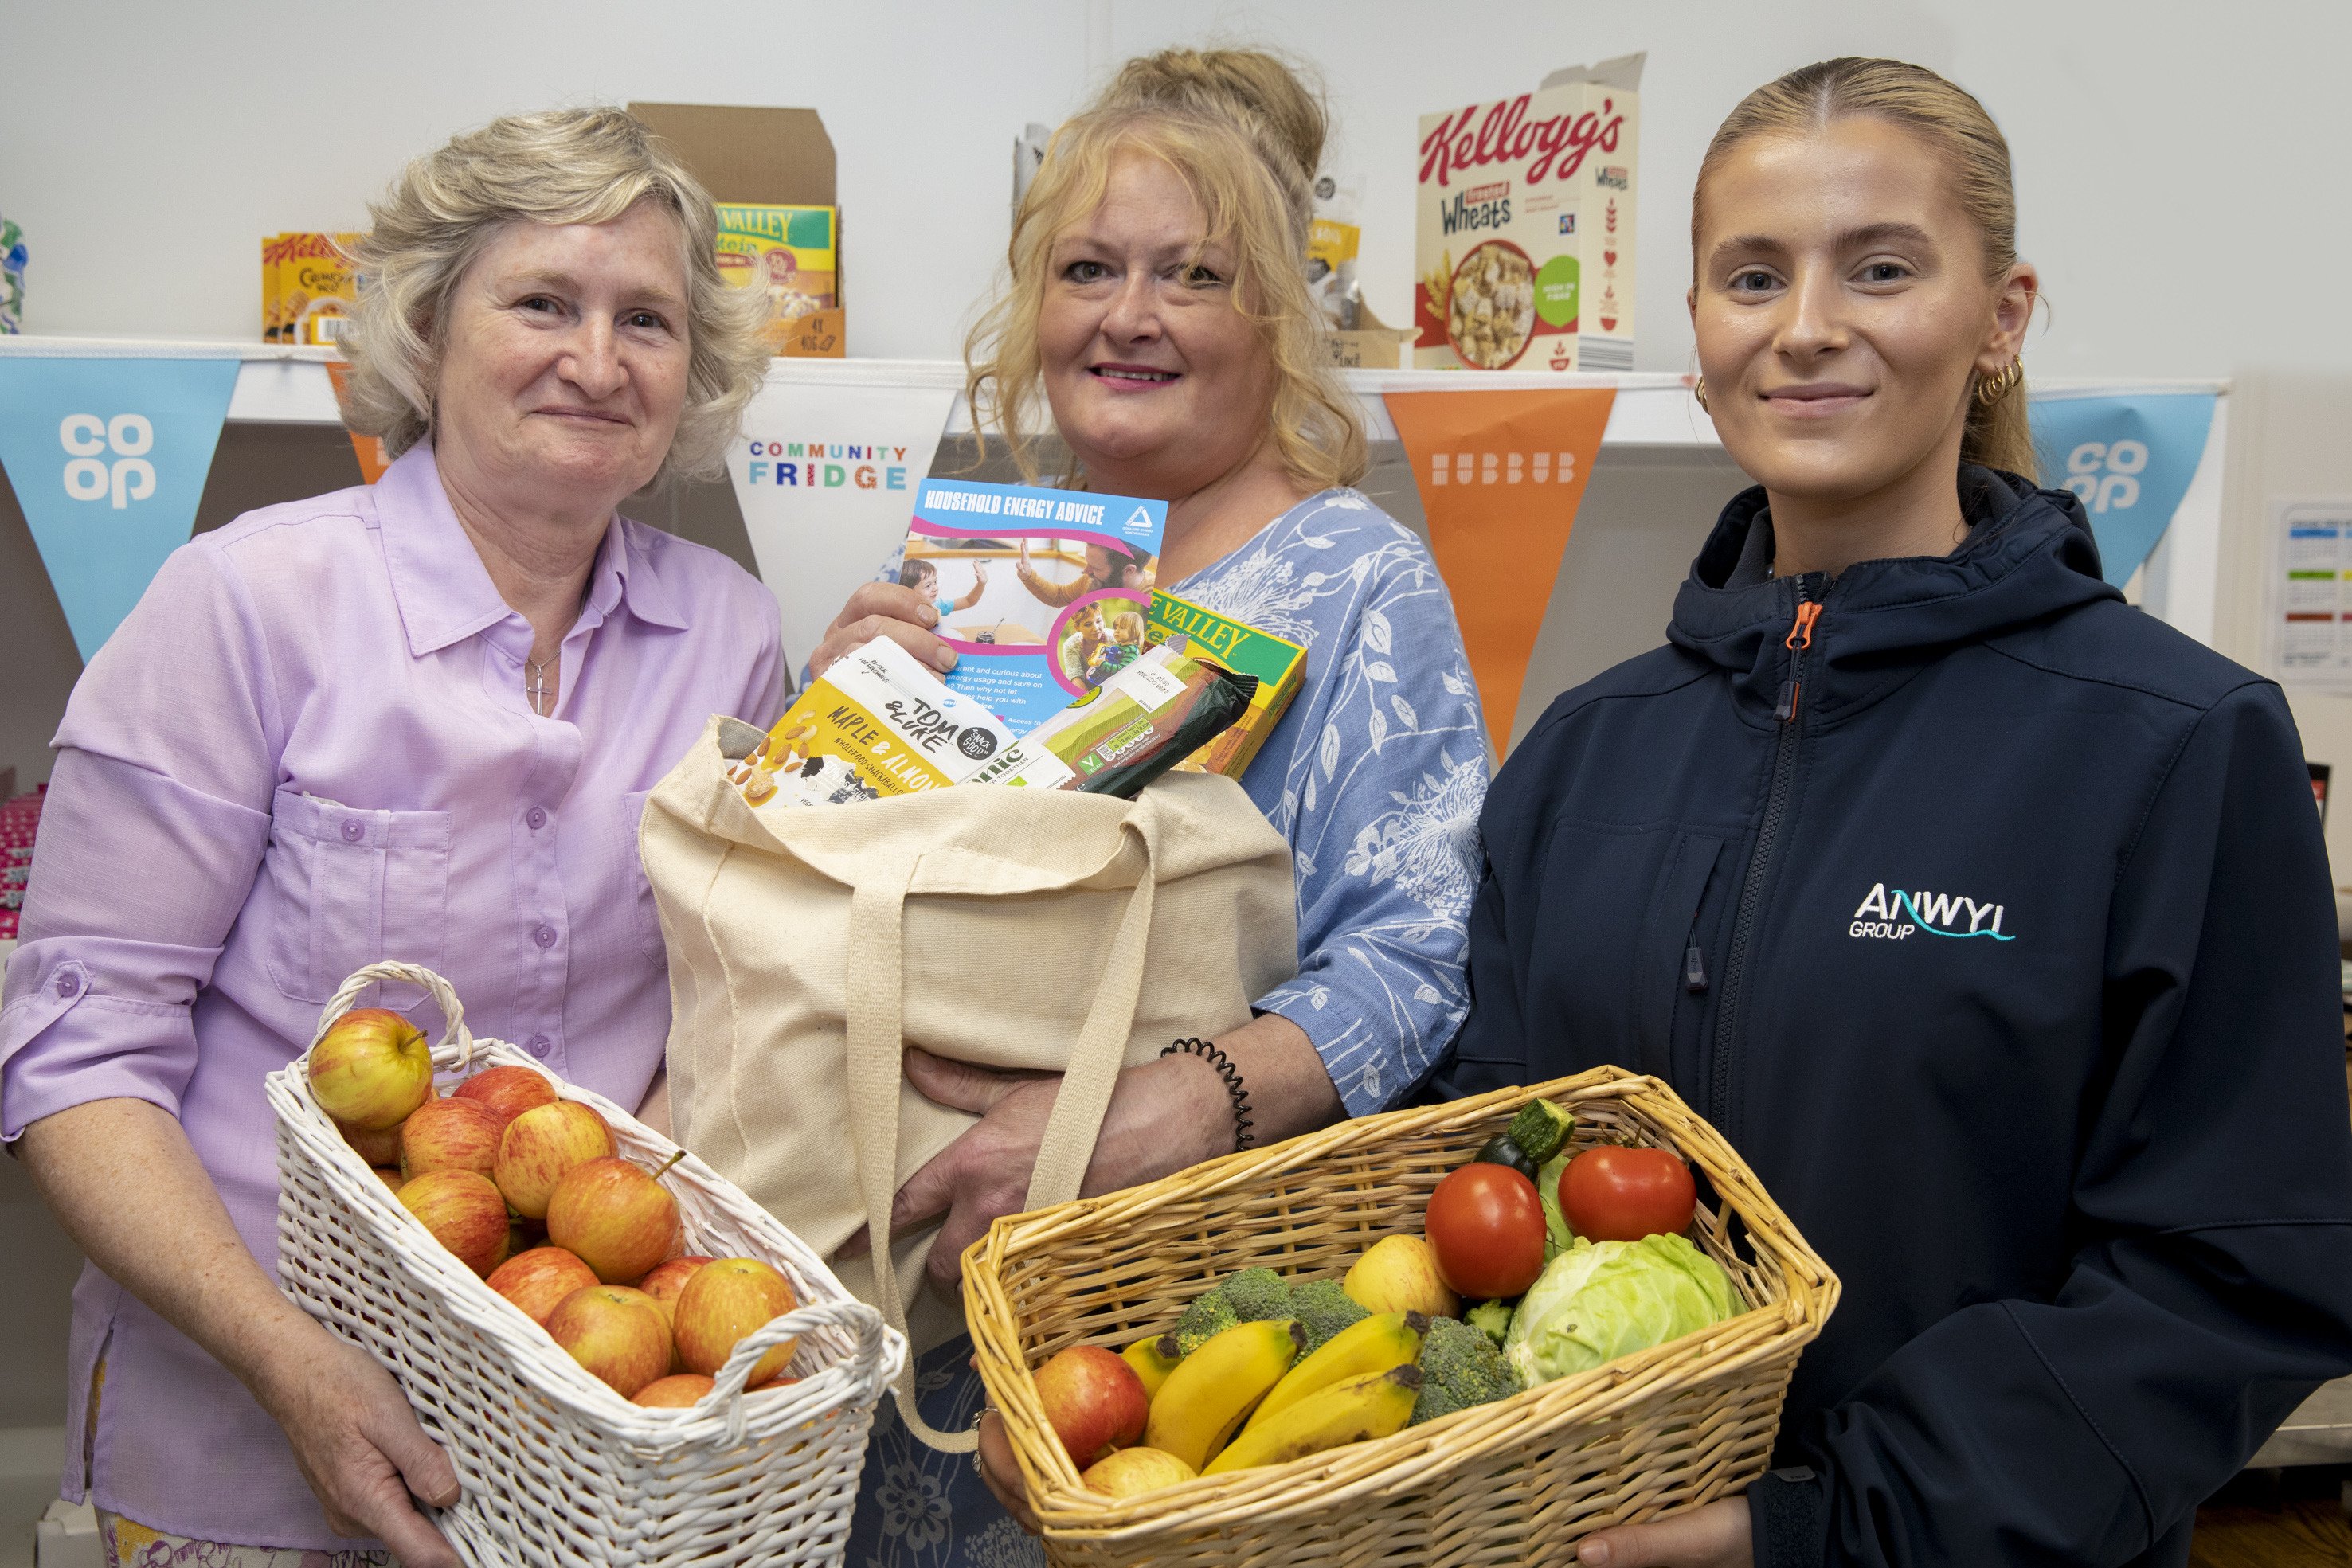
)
(877, 980)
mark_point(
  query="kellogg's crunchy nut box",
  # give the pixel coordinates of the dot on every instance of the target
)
(308, 286)
(1524, 246)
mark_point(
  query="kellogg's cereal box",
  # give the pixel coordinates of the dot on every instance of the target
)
(793, 253)
(308, 286)
(1524, 241)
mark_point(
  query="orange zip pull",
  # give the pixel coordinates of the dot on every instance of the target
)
(1800, 638)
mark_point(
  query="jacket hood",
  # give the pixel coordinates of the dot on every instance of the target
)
(2028, 556)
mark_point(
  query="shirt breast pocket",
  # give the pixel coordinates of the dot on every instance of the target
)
(353, 887)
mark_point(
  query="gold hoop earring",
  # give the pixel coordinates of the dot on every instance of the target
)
(1992, 389)
(1699, 390)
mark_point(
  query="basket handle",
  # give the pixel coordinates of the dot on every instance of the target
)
(456, 1047)
(855, 1315)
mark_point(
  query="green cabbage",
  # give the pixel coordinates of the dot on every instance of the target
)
(1598, 1301)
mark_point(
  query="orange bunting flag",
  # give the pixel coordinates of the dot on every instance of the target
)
(1500, 476)
(373, 458)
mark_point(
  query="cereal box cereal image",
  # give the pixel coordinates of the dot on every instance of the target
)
(1524, 229)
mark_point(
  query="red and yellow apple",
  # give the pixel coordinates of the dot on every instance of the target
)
(664, 1280)
(507, 1092)
(615, 1332)
(377, 1145)
(1093, 1401)
(618, 1218)
(542, 1146)
(450, 1135)
(724, 1300)
(664, 1283)
(538, 1280)
(390, 1175)
(465, 1214)
(1132, 1470)
(371, 1068)
(675, 1391)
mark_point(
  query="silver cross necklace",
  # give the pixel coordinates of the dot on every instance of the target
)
(535, 683)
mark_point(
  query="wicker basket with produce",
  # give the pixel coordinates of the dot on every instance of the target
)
(628, 1361)
(1464, 1334)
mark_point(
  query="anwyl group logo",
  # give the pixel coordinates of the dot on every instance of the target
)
(108, 457)
(1891, 916)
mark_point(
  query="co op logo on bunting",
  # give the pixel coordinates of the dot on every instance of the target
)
(108, 457)
(2107, 476)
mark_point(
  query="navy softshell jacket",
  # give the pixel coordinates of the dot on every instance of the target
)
(1988, 918)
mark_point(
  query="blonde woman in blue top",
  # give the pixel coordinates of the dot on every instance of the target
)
(1156, 306)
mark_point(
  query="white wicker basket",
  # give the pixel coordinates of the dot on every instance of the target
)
(557, 1468)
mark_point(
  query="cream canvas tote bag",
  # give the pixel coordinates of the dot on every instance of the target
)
(1008, 928)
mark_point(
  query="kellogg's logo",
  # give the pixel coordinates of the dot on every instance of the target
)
(1559, 144)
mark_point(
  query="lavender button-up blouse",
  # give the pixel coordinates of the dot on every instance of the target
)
(309, 748)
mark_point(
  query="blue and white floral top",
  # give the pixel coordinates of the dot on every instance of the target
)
(1375, 775)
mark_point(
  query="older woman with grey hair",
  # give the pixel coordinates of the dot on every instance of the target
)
(415, 720)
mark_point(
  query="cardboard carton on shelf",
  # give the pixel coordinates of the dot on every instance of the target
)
(771, 173)
(1371, 345)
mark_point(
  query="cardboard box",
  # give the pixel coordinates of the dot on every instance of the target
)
(308, 286)
(1523, 247)
(1371, 345)
(766, 169)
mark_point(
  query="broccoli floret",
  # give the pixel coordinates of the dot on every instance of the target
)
(1258, 1295)
(1245, 1296)
(1492, 1318)
(1460, 1366)
(1322, 1309)
(1209, 1315)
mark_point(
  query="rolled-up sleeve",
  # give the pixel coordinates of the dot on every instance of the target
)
(154, 826)
(1381, 803)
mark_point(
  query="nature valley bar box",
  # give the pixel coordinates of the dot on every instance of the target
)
(1279, 664)
(788, 252)
(770, 173)
(1523, 239)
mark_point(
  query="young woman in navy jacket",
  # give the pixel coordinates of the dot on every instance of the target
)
(1987, 916)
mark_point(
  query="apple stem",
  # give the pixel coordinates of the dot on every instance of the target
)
(668, 1163)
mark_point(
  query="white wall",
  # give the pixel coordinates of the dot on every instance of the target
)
(2175, 159)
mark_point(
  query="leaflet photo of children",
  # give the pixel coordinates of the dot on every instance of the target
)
(1125, 646)
(923, 577)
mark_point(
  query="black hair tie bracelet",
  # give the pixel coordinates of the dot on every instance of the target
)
(1242, 1136)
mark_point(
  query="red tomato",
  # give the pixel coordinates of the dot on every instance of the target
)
(1624, 1195)
(1487, 1226)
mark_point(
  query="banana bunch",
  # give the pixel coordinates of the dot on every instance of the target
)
(1239, 1400)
